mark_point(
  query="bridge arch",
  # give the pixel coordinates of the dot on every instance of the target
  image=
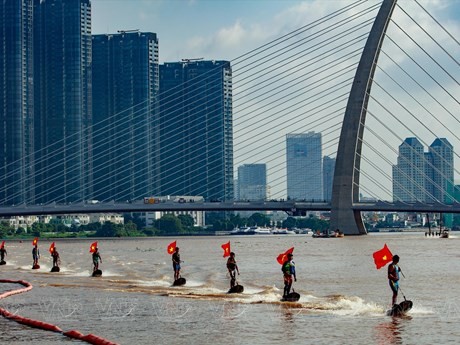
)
(345, 189)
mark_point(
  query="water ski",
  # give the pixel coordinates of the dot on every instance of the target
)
(180, 281)
(97, 273)
(292, 297)
(400, 309)
(236, 289)
(3, 262)
(36, 267)
(55, 269)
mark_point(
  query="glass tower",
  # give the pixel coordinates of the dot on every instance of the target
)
(252, 182)
(196, 136)
(63, 117)
(16, 102)
(304, 166)
(125, 92)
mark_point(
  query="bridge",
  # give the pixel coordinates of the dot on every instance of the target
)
(365, 76)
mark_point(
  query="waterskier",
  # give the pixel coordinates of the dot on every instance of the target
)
(3, 252)
(35, 255)
(96, 258)
(176, 263)
(288, 269)
(393, 278)
(232, 269)
(55, 256)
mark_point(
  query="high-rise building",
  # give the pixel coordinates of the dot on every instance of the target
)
(125, 92)
(63, 99)
(196, 136)
(440, 171)
(16, 102)
(252, 182)
(328, 177)
(409, 172)
(304, 166)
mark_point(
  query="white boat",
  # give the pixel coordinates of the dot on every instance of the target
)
(282, 232)
(261, 230)
(242, 231)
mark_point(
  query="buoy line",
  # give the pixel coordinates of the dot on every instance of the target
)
(89, 338)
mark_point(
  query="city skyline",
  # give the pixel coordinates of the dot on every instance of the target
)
(243, 146)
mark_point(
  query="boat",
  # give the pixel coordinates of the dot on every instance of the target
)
(444, 234)
(242, 231)
(282, 232)
(332, 234)
(260, 230)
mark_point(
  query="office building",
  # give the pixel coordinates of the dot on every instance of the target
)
(440, 171)
(16, 102)
(252, 182)
(125, 101)
(195, 123)
(328, 177)
(63, 100)
(304, 166)
(409, 172)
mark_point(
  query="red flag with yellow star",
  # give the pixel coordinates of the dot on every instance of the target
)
(52, 248)
(3, 244)
(283, 257)
(226, 248)
(93, 247)
(35, 241)
(171, 248)
(382, 257)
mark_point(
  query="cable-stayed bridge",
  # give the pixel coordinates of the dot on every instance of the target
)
(366, 76)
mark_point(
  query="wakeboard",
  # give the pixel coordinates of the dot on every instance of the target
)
(3, 262)
(292, 297)
(400, 309)
(180, 281)
(97, 273)
(236, 289)
(36, 267)
(55, 269)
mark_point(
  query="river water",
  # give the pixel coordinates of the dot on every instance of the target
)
(343, 296)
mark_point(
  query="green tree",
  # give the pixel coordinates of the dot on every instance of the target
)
(169, 224)
(186, 220)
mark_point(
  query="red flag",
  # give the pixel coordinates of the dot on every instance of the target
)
(52, 248)
(92, 247)
(226, 248)
(382, 257)
(283, 257)
(3, 245)
(172, 247)
(35, 241)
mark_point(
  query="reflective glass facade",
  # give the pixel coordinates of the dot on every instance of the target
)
(125, 92)
(196, 134)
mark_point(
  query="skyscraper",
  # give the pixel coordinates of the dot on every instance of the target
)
(16, 102)
(196, 129)
(409, 172)
(125, 92)
(304, 166)
(63, 98)
(252, 182)
(440, 171)
(328, 176)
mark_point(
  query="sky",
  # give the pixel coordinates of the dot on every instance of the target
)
(226, 29)
(221, 29)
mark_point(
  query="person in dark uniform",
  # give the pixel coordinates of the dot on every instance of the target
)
(35, 255)
(232, 269)
(176, 263)
(288, 269)
(96, 258)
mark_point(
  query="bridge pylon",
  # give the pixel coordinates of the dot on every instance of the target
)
(345, 189)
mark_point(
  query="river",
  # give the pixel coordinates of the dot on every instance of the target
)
(343, 296)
